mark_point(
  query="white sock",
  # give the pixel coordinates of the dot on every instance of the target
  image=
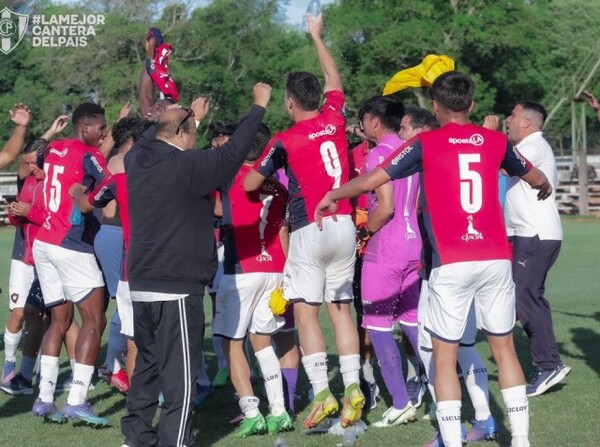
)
(48, 377)
(350, 368)
(271, 372)
(117, 344)
(427, 359)
(218, 347)
(315, 366)
(82, 377)
(517, 407)
(448, 417)
(72, 364)
(367, 370)
(249, 406)
(475, 376)
(11, 344)
(203, 379)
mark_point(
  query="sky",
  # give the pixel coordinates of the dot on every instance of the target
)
(294, 11)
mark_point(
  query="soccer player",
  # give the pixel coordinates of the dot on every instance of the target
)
(66, 266)
(253, 268)
(536, 234)
(471, 255)
(320, 264)
(390, 280)
(172, 257)
(19, 115)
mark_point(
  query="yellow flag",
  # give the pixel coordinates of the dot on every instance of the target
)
(422, 75)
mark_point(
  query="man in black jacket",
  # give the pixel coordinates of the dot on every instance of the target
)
(172, 258)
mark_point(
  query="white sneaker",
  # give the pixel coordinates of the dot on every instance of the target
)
(393, 416)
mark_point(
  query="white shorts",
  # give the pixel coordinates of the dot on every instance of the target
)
(470, 335)
(454, 287)
(65, 274)
(214, 287)
(108, 246)
(125, 308)
(242, 305)
(320, 264)
(20, 280)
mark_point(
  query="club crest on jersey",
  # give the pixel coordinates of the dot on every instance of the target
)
(14, 297)
(471, 234)
(329, 130)
(475, 140)
(61, 154)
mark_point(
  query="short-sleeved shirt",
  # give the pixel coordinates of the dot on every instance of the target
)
(461, 210)
(399, 240)
(314, 153)
(251, 224)
(68, 162)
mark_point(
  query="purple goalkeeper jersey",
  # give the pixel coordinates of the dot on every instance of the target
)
(398, 241)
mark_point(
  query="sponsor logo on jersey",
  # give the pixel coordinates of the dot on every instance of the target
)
(100, 193)
(472, 234)
(520, 157)
(329, 130)
(475, 140)
(401, 155)
(61, 154)
(98, 167)
(268, 157)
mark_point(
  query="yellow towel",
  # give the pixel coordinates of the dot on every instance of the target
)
(422, 75)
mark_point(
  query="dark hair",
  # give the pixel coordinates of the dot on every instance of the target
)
(305, 89)
(37, 145)
(535, 107)
(141, 127)
(419, 117)
(389, 110)
(222, 128)
(261, 139)
(453, 90)
(86, 110)
(123, 130)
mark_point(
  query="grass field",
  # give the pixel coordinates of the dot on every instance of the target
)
(565, 417)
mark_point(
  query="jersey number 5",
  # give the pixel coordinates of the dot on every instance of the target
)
(331, 160)
(471, 195)
(52, 172)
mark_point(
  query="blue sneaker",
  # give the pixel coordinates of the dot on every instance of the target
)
(9, 371)
(543, 379)
(17, 386)
(371, 392)
(439, 442)
(48, 411)
(416, 390)
(203, 392)
(483, 430)
(85, 413)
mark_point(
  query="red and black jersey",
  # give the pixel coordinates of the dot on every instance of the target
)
(251, 224)
(66, 163)
(461, 210)
(314, 153)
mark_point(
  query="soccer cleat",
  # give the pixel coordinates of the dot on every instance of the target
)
(486, 430)
(19, 385)
(48, 411)
(120, 381)
(416, 390)
(84, 412)
(354, 401)
(278, 424)
(439, 442)
(324, 404)
(252, 426)
(9, 371)
(104, 374)
(392, 416)
(203, 392)
(542, 380)
(371, 392)
(221, 378)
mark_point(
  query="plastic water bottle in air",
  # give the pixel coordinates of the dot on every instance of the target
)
(314, 9)
(349, 438)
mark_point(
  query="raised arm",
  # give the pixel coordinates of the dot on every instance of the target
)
(19, 115)
(333, 80)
